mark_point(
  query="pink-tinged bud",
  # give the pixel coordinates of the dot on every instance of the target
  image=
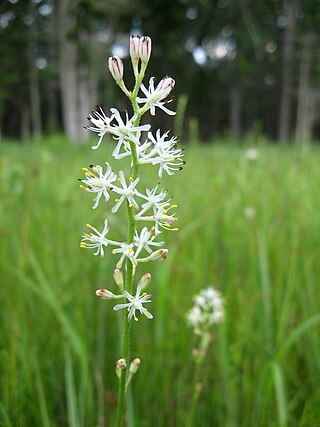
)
(159, 255)
(145, 281)
(165, 86)
(104, 294)
(120, 365)
(116, 68)
(134, 48)
(134, 366)
(118, 278)
(145, 49)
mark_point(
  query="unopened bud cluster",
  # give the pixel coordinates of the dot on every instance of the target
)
(150, 209)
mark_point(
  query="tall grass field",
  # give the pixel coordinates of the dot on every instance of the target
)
(250, 228)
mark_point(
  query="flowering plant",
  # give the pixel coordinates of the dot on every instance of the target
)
(144, 206)
(207, 311)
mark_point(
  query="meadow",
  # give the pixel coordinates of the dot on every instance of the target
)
(248, 227)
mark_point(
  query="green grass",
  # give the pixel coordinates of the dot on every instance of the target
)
(59, 343)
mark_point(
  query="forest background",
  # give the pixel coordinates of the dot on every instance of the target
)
(241, 66)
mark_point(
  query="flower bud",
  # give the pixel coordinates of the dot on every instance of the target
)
(165, 86)
(120, 365)
(134, 366)
(116, 68)
(159, 255)
(145, 49)
(145, 281)
(118, 278)
(105, 294)
(134, 48)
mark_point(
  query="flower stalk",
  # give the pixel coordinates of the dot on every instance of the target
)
(133, 140)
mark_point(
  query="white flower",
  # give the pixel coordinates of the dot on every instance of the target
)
(126, 250)
(252, 154)
(99, 182)
(208, 310)
(127, 192)
(135, 303)
(250, 212)
(141, 149)
(97, 240)
(164, 153)
(153, 201)
(145, 240)
(101, 124)
(154, 96)
(194, 316)
(162, 218)
(124, 132)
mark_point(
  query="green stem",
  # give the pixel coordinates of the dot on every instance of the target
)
(204, 344)
(128, 287)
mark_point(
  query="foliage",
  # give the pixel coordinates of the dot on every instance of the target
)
(58, 343)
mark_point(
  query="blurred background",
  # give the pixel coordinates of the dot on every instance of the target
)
(241, 66)
(247, 96)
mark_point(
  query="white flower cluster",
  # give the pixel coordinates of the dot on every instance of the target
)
(207, 310)
(136, 141)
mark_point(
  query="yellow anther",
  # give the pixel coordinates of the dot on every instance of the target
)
(95, 169)
(88, 174)
(174, 206)
(85, 169)
(131, 251)
(175, 219)
(167, 225)
(88, 225)
(131, 179)
(175, 229)
(164, 212)
(88, 235)
(128, 309)
(82, 187)
(113, 251)
(119, 179)
(136, 319)
(92, 175)
(130, 206)
(82, 245)
(144, 294)
(116, 200)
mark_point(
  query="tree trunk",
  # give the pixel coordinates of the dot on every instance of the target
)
(235, 110)
(35, 105)
(25, 121)
(84, 101)
(68, 71)
(290, 12)
(303, 125)
(34, 91)
(52, 97)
